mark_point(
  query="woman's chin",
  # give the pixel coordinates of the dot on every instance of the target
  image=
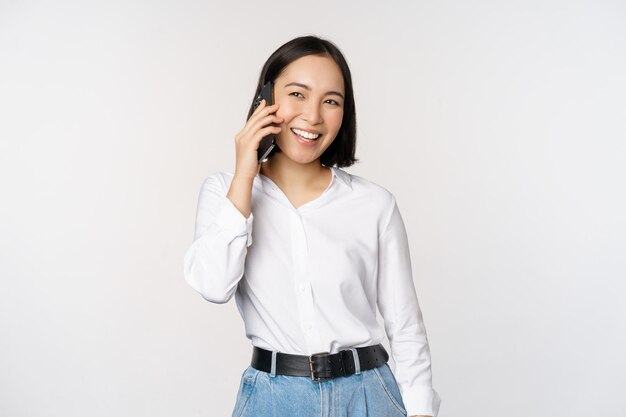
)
(302, 156)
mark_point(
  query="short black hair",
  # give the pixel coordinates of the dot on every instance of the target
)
(341, 152)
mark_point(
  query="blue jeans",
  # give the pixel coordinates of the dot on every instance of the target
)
(370, 393)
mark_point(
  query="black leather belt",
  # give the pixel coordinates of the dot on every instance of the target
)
(320, 366)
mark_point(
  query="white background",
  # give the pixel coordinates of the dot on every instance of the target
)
(499, 126)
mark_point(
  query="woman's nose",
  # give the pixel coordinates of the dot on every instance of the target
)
(312, 114)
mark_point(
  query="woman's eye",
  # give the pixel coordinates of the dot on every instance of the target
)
(333, 101)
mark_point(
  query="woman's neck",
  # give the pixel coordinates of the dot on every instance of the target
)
(293, 175)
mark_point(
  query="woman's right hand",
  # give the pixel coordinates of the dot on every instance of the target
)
(248, 139)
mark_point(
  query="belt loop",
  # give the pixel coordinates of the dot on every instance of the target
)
(273, 370)
(357, 362)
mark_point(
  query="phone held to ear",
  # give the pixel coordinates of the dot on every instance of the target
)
(268, 143)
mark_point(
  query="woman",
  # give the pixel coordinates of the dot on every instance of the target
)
(328, 248)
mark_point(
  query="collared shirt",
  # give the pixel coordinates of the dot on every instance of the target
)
(309, 279)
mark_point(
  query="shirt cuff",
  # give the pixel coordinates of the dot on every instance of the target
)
(231, 221)
(421, 401)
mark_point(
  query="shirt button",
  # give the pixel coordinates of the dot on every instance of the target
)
(302, 287)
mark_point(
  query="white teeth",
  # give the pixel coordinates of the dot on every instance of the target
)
(306, 135)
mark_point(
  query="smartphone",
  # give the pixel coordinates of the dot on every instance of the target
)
(268, 143)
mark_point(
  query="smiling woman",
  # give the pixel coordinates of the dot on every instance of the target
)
(311, 108)
(313, 93)
(328, 248)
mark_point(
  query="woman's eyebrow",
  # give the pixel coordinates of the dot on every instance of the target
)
(306, 87)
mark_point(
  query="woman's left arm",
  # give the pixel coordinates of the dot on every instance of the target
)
(399, 307)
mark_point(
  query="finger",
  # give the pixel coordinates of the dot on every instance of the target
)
(270, 118)
(266, 131)
(262, 121)
(255, 112)
(261, 111)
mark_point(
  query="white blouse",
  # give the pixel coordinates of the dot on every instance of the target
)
(308, 279)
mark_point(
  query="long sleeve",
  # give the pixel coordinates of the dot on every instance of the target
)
(398, 305)
(214, 263)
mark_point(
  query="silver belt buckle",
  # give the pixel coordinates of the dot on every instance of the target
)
(313, 377)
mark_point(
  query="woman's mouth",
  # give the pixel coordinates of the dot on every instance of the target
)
(305, 138)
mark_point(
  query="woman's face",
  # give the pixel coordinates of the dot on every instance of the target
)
(310, 93)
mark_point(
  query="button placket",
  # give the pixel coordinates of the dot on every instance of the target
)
(300, 252)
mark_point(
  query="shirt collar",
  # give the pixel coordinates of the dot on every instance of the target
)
(343, 176)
